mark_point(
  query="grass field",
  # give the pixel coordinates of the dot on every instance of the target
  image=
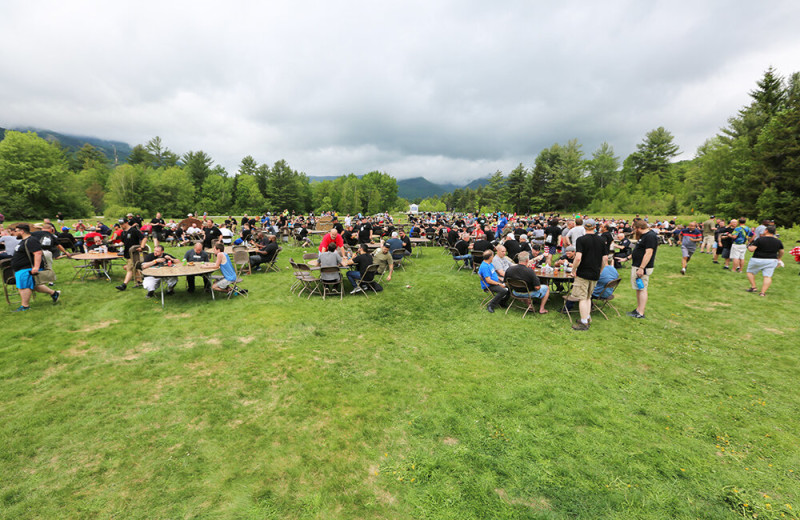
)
(414, 403)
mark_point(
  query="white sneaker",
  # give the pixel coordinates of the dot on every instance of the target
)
(358, 289)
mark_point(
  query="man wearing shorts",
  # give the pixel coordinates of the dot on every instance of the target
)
(591, 253)
(522, 272)
(708, 235)
(690, 237)
(642, 262)
(224, 264)
(767, 253)
(25, 262)
(739, 236)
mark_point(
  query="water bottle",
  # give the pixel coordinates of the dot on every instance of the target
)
(639, 284)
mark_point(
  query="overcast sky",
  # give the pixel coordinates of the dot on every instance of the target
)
(448, 90)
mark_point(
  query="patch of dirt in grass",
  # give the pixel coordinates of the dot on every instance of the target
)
(181, 315)
(775, 331)
(97, 326)
(370, 373)
(381, 494)
(450, 441)
(537, 504)
(136, 353)
(50, 372)
(247, 339)
(236, 423)
(76, 350)
(214, 341)
(719, 304)
(203, 369)
(645, 367)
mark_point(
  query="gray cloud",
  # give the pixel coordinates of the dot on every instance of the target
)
(448, 90)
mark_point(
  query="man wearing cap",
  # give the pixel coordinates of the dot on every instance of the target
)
(267, 249)
(25, 262)
(513, 247)
(384, 261)
(131, 237)
(591, 255)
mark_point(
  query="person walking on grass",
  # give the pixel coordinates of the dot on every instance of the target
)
(591, 255)
(642, 262)
(25, 262)
(690, 237)
(767, 255)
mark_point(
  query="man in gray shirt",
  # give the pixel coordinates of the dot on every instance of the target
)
(330, 258)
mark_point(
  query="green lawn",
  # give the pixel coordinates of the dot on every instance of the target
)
(414, 403)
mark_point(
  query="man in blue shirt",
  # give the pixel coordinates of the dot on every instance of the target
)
(501, 224)
(740, 237)
(491, 282)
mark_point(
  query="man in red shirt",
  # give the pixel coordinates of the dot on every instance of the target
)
(332, 237)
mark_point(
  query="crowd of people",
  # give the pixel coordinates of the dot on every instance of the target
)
(506, 247)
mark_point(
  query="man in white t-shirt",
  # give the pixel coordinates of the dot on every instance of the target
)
(226, 235)
(575, 233)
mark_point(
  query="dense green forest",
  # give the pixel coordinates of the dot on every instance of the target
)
(750, 168)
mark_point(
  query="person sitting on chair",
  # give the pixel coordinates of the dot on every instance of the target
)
(491, 282)
(330, 258)
(158, 258)
(196, 255)
(361, 262)
(384, 261)
(225, 265)
(267, 249)
(524, 273)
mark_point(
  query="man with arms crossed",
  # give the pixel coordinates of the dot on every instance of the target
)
(642, 262)
(590, 257)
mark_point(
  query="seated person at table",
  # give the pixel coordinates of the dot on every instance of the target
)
(567, 258)
(384, 261)
(462, 245)
(9, 241)
(197, 256)
(491, 282)
(96, 245)
(225, 265)
(608, 274)
(332, 237)
(536, 258)
(501, 262)
(481, 244)
(522, 272)
(513, 247)
(302, 235)
(66, 235)
(350, 237)
(524, 245)
(406, 241)
(226, 235)
(622, 250)
(267, 249)
(394, 244)
(158, 258)
(330, 258)
(361, 262)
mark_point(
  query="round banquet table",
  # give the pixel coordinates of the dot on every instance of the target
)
(103, 259)
(556, 276)
(177, 271)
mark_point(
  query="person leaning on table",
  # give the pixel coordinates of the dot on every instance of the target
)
(158, 258)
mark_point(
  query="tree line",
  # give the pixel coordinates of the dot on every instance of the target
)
(750, 168)
(39, 178)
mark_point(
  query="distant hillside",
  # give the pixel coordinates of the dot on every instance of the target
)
(418, 188)
(478, 183)
(75, 142)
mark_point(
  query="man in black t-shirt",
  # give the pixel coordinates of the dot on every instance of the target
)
(131, 237)
(158, 228)
(197, 256)
(522, 272)
(590, 258)
(365, 231)
(552, 234)
(49, 241)
(767, 255)
(158, 258)
(642, 263)
(267, 249)
(361, 262)
(25, 263)
(212, 233)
